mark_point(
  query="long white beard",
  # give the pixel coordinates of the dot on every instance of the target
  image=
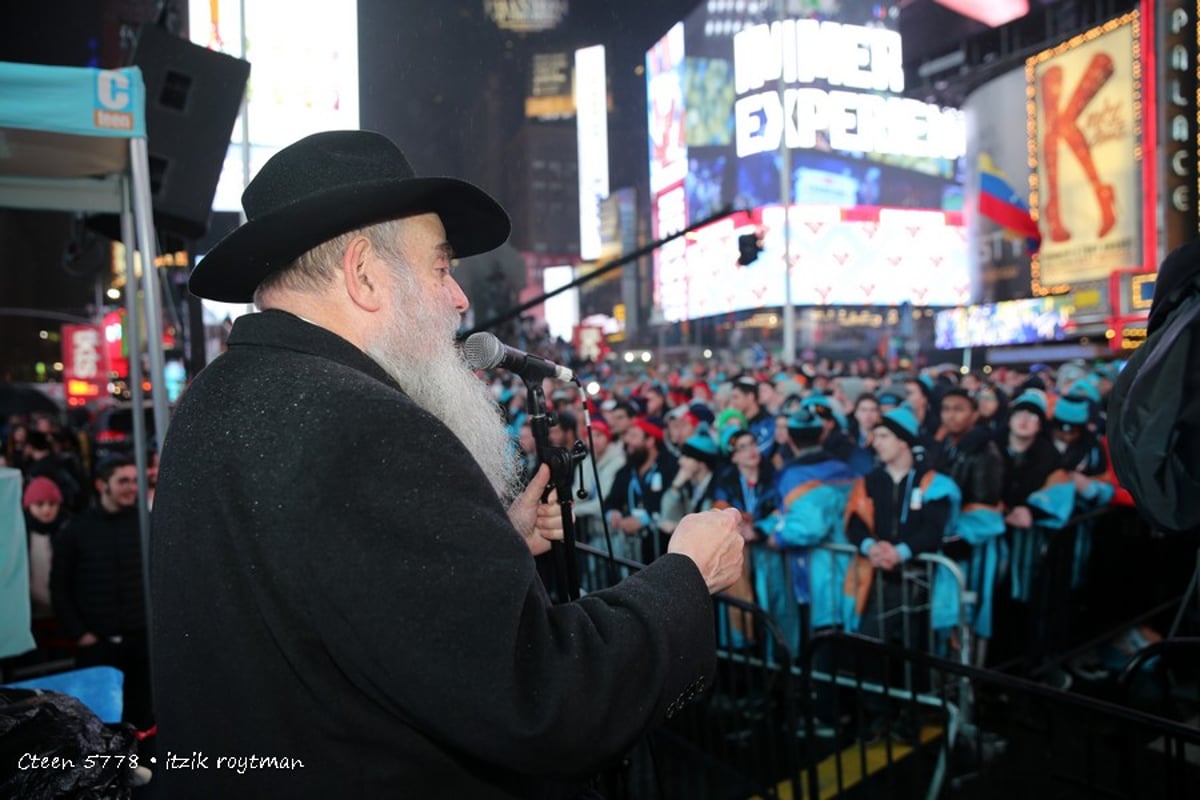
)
(418, 351)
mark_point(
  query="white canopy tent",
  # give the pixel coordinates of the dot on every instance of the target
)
(74, 139)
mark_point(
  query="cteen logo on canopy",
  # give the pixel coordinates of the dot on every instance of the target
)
(114, 101)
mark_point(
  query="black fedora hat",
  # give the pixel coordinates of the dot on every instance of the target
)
(325, 185)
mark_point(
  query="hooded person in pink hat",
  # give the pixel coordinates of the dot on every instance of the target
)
(42, 502)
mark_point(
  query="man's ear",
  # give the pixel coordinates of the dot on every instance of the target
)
(362, 274)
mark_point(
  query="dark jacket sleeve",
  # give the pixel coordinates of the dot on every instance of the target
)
(428, 600)
(617, 498)
(63, 570)
(988, 478)
(924, 533)
(856, 531)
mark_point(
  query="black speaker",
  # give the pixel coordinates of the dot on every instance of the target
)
(192, 100)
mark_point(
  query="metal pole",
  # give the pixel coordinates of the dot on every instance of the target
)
(197, 342)
(245, 110)
(785, 198)
(144, 215)
(134, 346)
(98, 303)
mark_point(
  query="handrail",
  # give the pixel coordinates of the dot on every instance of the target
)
(1138, 660)
(1005, 680)
(618, 560)
(1085, 516)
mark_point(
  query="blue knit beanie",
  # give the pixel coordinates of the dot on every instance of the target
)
(804, 419)
(902, 422)
(702, 447)
(1070, 411)
(1030, 401)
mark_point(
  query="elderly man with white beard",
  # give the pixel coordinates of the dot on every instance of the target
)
(342, 582)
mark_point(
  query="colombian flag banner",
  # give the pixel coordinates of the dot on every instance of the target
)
(1000, 203)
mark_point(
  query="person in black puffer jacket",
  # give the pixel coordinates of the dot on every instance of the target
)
(97, 588)
(969, 455)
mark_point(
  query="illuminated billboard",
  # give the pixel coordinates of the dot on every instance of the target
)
(591, 107)
(1085, 109)
(1041, 319)
(303, 76)
(855, 256)
(727, 89)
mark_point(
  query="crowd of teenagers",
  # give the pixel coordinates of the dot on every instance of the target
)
(84, 549)
(983, 469)
(1002, 473)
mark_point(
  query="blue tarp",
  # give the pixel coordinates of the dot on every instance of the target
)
(15, 636)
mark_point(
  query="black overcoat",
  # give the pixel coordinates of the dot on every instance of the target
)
(336, 589)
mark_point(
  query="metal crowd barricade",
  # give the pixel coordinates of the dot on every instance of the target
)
(1154, 676)
(740, 739)
(642, 547)
(748, 736)
(598, 570)
(965, 732)
(909, 753)
(1048, 571)
(743, 739)
(1028, 740)
(776, 576)
(917, 586)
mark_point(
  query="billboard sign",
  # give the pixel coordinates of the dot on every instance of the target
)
(1176, 34)
(1041, 319)
(727, 90)
(83, 355)
(550, 96)
(303, 76)
(1085, 106)
(841, 91)
(591, 118)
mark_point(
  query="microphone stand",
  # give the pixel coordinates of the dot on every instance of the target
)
(562, 466)
(614, 779)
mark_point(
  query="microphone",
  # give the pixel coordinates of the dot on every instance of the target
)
(484, 351)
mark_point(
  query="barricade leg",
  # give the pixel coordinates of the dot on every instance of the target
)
(879, 621)
(1051, 607)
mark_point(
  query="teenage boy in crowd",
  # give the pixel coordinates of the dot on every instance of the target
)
(635, 502)
(896, 512)
(968, 455)
(812, 492)
(1030, 458)
(744, 398)
(693, 488)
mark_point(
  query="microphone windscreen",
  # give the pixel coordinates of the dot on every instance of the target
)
(483, 351)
